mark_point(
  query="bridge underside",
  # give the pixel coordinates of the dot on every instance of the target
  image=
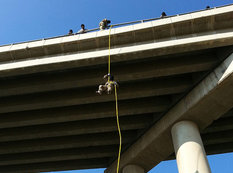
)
(56, 121)
(51, 118)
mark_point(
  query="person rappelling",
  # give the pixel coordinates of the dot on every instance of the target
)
(109, 85)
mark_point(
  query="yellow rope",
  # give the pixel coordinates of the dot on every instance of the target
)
(109, 56)
(117, 116)
(119, 131)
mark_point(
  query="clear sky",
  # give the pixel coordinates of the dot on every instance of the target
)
(24, 20)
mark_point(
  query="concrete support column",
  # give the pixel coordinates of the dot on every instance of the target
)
(190, 153)
(133, 169)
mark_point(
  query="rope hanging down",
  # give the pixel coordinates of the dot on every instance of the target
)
(109, 56)
(117, 116)
(119, 131)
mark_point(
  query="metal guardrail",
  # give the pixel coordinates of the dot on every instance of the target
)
(116, 25)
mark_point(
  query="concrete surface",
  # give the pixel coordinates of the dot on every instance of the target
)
(189, 149)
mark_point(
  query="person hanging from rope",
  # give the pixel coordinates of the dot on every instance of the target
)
(109, 85)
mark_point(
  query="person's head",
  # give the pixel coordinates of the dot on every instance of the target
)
(163, 14)
(83, 26)
(70, 31)
(207, 7)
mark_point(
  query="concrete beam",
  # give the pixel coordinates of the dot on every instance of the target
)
(218, 137)
(90, 77)
(68, 142)
(87, 95)
(75, 128)
(84, 112)
(215, 149)
(119, 54)
(56, 166)
(133, 169)
(222, 124)
(59, 155)
(210, 99)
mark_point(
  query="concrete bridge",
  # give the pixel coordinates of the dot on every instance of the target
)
(176, 79)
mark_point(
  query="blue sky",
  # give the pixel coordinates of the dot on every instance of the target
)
(24, 20)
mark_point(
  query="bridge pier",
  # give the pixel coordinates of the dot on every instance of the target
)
(190, 153)
(133, 169)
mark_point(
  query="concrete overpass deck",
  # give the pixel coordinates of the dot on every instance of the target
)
(170, 69)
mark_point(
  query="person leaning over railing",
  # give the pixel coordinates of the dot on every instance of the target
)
(104, 24)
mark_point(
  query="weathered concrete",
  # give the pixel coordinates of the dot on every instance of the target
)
(190, 153)
(74, 128)
(214, 93)
(87, 95)
(55, 166)
(59, 155)
(133, 169)
(143, 50)
(84, 112)
(65, 142)
(86, 77)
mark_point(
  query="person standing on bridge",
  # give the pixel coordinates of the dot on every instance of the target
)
(82, 30)
(108, 87)
(70, 32)
(104, 24)
(163, 15)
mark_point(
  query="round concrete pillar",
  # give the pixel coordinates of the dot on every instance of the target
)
(190, 153)
(133, 169)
